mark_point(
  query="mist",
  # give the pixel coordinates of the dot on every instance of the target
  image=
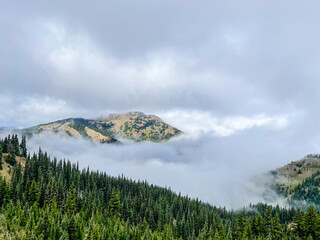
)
(213, 169)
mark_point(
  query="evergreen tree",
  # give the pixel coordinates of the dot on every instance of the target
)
(23, 147)
(114, 204)
(1, 157)
(311, 222)
(298, 223)
(15, 144)
(241, 224)
(33, 195)
(11, 159)
(72, 229)
(71, 201)
(276, 227)
(3, 191)
(268, 221)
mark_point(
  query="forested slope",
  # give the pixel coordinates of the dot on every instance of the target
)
(51, 199)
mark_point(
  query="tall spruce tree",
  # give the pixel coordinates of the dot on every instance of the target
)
(23, 147)
(71, 200)
(114, 204)
(298, 223)
(276, 228)
(1, 157)
(33, 195)
(311, 223)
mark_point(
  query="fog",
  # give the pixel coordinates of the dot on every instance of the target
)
(204, 166)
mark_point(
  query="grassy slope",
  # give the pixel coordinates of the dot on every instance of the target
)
(136, 125)
(292, 174)
(7, 169)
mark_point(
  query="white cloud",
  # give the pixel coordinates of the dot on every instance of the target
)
(195, 121)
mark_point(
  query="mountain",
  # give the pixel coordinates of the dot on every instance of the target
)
(133, 125)
(299, 181)
(296, 172)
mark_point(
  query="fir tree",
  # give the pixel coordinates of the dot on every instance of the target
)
(71, 201)
(1, 157)
(114, 204)
(311, 222)
(268, 222)
(23, 147)
(33, 195)
(276, 228)
(11, 159)
(298, 227)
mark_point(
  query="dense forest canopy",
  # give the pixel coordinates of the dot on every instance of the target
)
(54, 199)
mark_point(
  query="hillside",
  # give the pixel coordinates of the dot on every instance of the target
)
(54, 199)
(134, 125)
(7, 169)
(294, 173)
(299, 181)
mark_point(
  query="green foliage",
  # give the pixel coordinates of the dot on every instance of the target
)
(33, 194)
(298, 224)
(1, 162)
(114, 204)
(11, 159)
(56, 200)
(23, 147)
(311, 223)
(71, 200)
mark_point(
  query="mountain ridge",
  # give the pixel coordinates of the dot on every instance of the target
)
(111, 129)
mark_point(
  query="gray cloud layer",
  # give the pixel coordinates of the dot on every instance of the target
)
(225, 57)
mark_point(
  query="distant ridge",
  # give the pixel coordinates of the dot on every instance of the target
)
(299, 180)
(133, 125)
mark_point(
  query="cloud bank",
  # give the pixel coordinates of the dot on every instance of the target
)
(210, 168)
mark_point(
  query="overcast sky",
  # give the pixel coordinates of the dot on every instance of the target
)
(225, 72)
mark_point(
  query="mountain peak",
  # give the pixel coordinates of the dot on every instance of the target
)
(132, 125)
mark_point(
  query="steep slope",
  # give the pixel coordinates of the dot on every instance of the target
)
(134, 125)
(7, 169)
(294, 173)
(299, 181)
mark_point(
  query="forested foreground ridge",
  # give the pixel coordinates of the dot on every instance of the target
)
(43, 198)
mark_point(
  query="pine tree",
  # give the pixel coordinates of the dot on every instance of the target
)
(71, 201)
(3, 190)
(33, 195)
(1, 157)
(298, 227)
(16, 181)
(258, 225)
(311, 222)
(276, 227)
(72, 229)
(11, 159)
(241, 224)
(114, 204)
(23, 147)
(268, 222)
(15, 143)
(51, 192)
(222, 231)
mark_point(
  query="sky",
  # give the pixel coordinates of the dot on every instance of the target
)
(240, 78)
